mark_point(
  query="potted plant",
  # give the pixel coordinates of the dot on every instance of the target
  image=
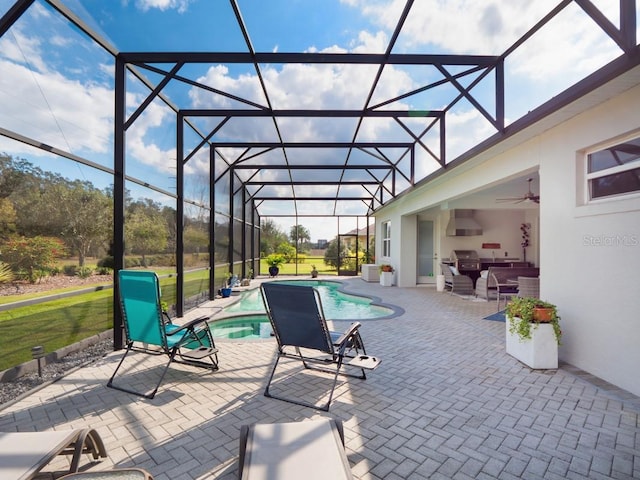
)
(225, 291)
(529, 336)
(314, 272)
(246, 281)
(274, 261)
(386, 275)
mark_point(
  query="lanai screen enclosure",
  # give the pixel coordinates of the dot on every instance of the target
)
(238, 152)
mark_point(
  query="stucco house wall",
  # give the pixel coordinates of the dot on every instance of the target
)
(589, 254)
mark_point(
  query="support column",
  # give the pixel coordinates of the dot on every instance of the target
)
(180, 216)
(118, 198)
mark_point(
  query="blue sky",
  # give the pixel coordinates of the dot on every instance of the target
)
(57, 87)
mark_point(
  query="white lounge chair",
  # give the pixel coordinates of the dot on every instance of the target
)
(24, 454)
(115, 474)
(312, 449)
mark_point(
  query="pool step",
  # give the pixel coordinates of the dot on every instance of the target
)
(232, 332)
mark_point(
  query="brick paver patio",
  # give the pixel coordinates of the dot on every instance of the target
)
(447, 402)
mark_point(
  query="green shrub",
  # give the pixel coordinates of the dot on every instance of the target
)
(55, 271)
(32, 256)
(6, 275)
(275, 260)
(70, 270)
(287, 251)
(84, 272)
(131, 262)
(106, 262)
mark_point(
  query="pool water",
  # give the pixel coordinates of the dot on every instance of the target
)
(246, 327)
(337, 306)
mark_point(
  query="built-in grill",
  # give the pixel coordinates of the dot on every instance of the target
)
(465, 260)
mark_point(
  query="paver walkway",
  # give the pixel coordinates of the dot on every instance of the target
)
(447, 402)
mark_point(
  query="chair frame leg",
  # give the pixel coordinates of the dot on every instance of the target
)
(150, 395)
(175, 355)
(307, 364)
(88, 442)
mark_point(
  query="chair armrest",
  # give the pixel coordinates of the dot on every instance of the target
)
(351, 331)
(190, 326)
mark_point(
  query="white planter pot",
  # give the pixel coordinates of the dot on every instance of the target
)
(386, 279)
(440, 283)
(539, 352)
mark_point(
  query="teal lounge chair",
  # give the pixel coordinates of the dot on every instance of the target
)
(191, 343)
(298, 322)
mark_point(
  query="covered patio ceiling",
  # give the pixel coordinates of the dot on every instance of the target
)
(318, 153)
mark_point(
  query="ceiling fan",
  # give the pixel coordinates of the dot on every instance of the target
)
(527, 197)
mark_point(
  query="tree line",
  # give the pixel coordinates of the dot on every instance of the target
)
(44, 217)
(274, 240)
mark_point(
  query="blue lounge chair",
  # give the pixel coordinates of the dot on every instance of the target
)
(298, 321)
(192, 343)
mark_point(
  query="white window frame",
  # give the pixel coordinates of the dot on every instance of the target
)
(386, 238)
(589, 176)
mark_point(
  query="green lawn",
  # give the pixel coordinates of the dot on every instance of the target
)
(58, 323)
(303, 268)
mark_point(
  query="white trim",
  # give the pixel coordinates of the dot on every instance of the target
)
(588, 176)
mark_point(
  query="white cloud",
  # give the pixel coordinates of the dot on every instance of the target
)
(60, 41)
(371, 42)
(56, 110)
(570, 45)
(84, 111)
(141, 145)
(180, 5)
(458, 26)
(307, 86)
(489, 27)
(20, 48)
(459, 126)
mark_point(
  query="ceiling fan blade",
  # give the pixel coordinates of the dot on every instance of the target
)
(513, 199)
(529, 196)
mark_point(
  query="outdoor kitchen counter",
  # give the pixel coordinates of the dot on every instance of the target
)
(485, 263)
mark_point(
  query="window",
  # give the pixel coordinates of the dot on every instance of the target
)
(614, 171)
(386, 239)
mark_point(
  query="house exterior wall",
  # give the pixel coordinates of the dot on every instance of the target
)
(589, 255)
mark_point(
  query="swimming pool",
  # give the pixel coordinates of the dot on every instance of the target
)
(337, 305)
(245, 327)
(247, 318)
